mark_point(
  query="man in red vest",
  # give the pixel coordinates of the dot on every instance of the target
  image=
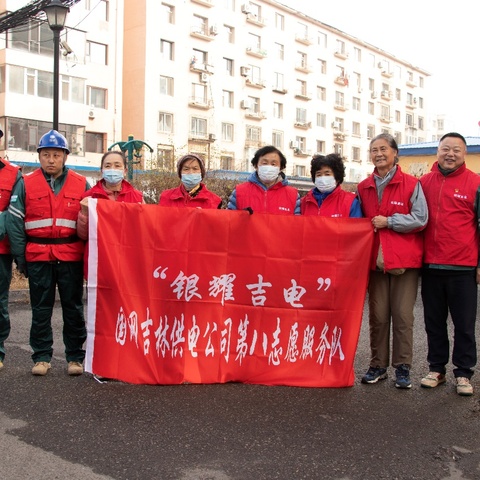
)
(42, 226)
(9, 175)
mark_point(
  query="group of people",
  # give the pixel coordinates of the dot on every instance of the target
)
(424, 227)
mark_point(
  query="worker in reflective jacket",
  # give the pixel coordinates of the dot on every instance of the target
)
(41, 224)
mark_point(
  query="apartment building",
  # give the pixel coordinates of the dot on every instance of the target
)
(216, 77)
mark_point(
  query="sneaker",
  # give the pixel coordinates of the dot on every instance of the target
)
(464, 387)
(402, 373)
(75, 368)
(432, 380)
(374, 374)
(41, 368)
(1, 364)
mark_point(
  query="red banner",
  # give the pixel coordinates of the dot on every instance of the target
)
(211, 296)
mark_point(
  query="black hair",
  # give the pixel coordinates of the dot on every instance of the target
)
(454, 135)
(269, 149)
(111, 152)
(332, 160)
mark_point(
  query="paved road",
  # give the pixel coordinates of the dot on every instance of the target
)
(59, 427)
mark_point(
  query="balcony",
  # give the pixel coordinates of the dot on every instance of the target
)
(255, 115)
(340, 106)
(341, 54)
(196, 66)
(411, 83)
(302, 67)
(386, 94)
(199, 102)
(339, 136)
(198, 137)
(256, 83)
(304, 39)
(341, 81)
(298, 152)
(281, 90)
(303, 95)
(411, 105)
(202, 32)
(386, 119)
(303, 125)
(387, 74)
(256, 52)
(255, 20)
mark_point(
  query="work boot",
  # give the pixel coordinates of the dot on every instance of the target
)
(75, 368)
(41, 368)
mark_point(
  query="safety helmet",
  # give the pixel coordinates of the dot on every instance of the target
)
(53, 139)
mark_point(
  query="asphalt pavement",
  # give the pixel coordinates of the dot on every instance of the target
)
(61, 427)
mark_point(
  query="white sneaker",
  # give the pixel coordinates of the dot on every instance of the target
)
(464, 387)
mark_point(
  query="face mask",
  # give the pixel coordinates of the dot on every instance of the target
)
(191, 180)
(112, 176)
(268, 173)
(325, 184)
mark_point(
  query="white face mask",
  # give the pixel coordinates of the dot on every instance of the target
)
(268, 173)
(112, 176)
(325, 184)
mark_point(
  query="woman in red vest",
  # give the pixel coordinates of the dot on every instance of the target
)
(328, 199)
(192, 192)
(395, 203)
(112, 186)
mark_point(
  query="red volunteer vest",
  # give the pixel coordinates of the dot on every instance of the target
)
(128, 194)
(53, 218)
(279, 199)
(8, 175)
(179, 197)
(337, 204)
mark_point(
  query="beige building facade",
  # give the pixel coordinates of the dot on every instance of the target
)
(217, 77)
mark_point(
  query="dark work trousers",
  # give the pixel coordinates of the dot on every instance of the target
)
(43, 277)
(454, 291)
(5, 279)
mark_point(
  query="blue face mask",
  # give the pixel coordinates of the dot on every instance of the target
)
(191, 180)
(112, 176)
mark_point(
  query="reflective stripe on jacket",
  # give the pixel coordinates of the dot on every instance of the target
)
(53, 216)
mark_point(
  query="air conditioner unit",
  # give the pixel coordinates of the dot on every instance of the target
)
(212, 137)
(293, 144)
(213, 30)
(336, 125)
(244, 71)
(91, 114)
(245, 104)
(374, 95)
(204, 77)
(380, 64)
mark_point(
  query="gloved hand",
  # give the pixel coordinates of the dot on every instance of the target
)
(22, 266)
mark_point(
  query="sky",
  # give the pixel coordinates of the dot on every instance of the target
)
(439, 36)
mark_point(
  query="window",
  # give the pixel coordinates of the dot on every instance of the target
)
(278, 81)
(227, 132)
(320, 146)
(339, 124)
(322, 39)
(302, 30)
(301, 115)
(371, 84)
(166, 49)
(165, 159)
(302, 60)
(254, 103)
(397, 116)
(409, 99)
(300, 170)
(357, 54)
(229, 4)
(385, 112)
(199, 93)
(165, 122)
(301, 143)
(356, 103)
(356, 129)
(398, 94)
(101, 8)
(339, 99)
(200, 25)
(227, 99)
(37, 38)
(420, 102)
(255, 10)
(279, 51)
(95, 142)
(277, 139)
(338, 148)
(45, 84)
(254, 41)
(253, 133)
(167, 13)
(357, 81)
(166, 86)
(73, 89)
(340, 47)
(421, 123)
(228, 62)
(229, 33)
(370, 131)
(398, 137)
(198, 127)
(301, 87)
(254, 74)
(226, 162)
(323, 66)
(322, 93)
(371, 108)
(356, 154)
(398, 71)
(277, 110)
(96, 53)
(97, 97)
(279, 21)
(321, 120)
(371, 60)
(420, 82)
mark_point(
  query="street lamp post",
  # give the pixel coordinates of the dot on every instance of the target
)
(56, 13)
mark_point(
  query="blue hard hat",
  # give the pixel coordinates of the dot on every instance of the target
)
(53, 139)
